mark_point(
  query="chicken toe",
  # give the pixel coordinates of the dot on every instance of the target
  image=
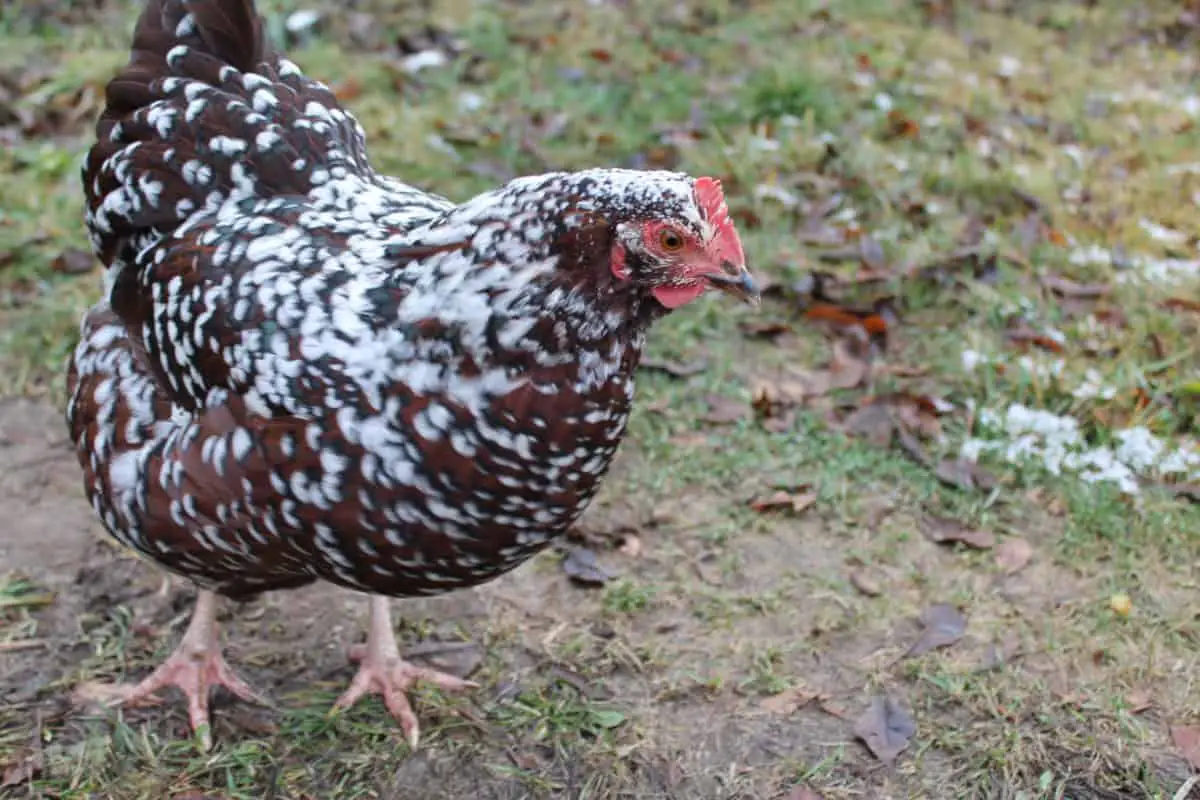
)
(382, 671)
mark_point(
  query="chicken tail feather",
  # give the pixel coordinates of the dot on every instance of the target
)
(204, 114)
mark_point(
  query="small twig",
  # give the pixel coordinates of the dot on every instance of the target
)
(24, 644)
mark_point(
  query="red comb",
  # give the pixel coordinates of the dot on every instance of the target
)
(711, 200)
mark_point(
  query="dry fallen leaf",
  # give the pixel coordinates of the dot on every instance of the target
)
(1024, 335)
(943, 625)
(963, 474)
(872, 421)
(783, 500)
(582, 567)
(1181, 304)
(846, 369)
(1186, 491)
(865, 583)
(24, 766)
(675, 369)
(901, 126)
(723, 410)
(73, 261)
(1187, 740)
(878, 417)
(788, 701)
(866, 324)
(944, 530)
(765, 330)
(885, 728)
(1013, 554)
(1069, 288)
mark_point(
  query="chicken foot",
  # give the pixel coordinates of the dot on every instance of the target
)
(194, 668)
(382, 671)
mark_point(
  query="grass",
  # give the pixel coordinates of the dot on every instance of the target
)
(1029, 133)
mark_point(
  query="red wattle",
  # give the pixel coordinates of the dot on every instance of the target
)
(675, 296)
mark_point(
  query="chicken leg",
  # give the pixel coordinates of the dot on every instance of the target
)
(196, 666)
(382, 671)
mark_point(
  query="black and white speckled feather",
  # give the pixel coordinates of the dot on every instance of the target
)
(305, 370)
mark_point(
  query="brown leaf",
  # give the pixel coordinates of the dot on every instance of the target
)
(1013, 555)
(1069, 288)
(860, 579)
(846, 320)
(944, 530)
(765, 330)
(963, 474)
(253, 721)
(675, 369)
(723, 410)
(1185, 491)
(911, 445)
(789, 388)
(885, 728)
(1187, 739)
(1181, 304)
(583, 568)
(943, 626)
(877, 418)
(788, 701)
(916, 413)
(846, 369)
(1026, 336)
(783, 500)
(780, 424)
(23, 766)
(73, 261)
(901, 126)
(872, 421)
(1112, 317)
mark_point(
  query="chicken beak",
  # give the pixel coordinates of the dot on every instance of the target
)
(737, 281)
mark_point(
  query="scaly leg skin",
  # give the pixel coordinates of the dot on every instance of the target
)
(196, 666)
(382, 671)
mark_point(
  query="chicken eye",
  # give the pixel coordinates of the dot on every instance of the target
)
(670, 240)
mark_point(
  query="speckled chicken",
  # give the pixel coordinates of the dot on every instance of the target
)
(302, 370)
